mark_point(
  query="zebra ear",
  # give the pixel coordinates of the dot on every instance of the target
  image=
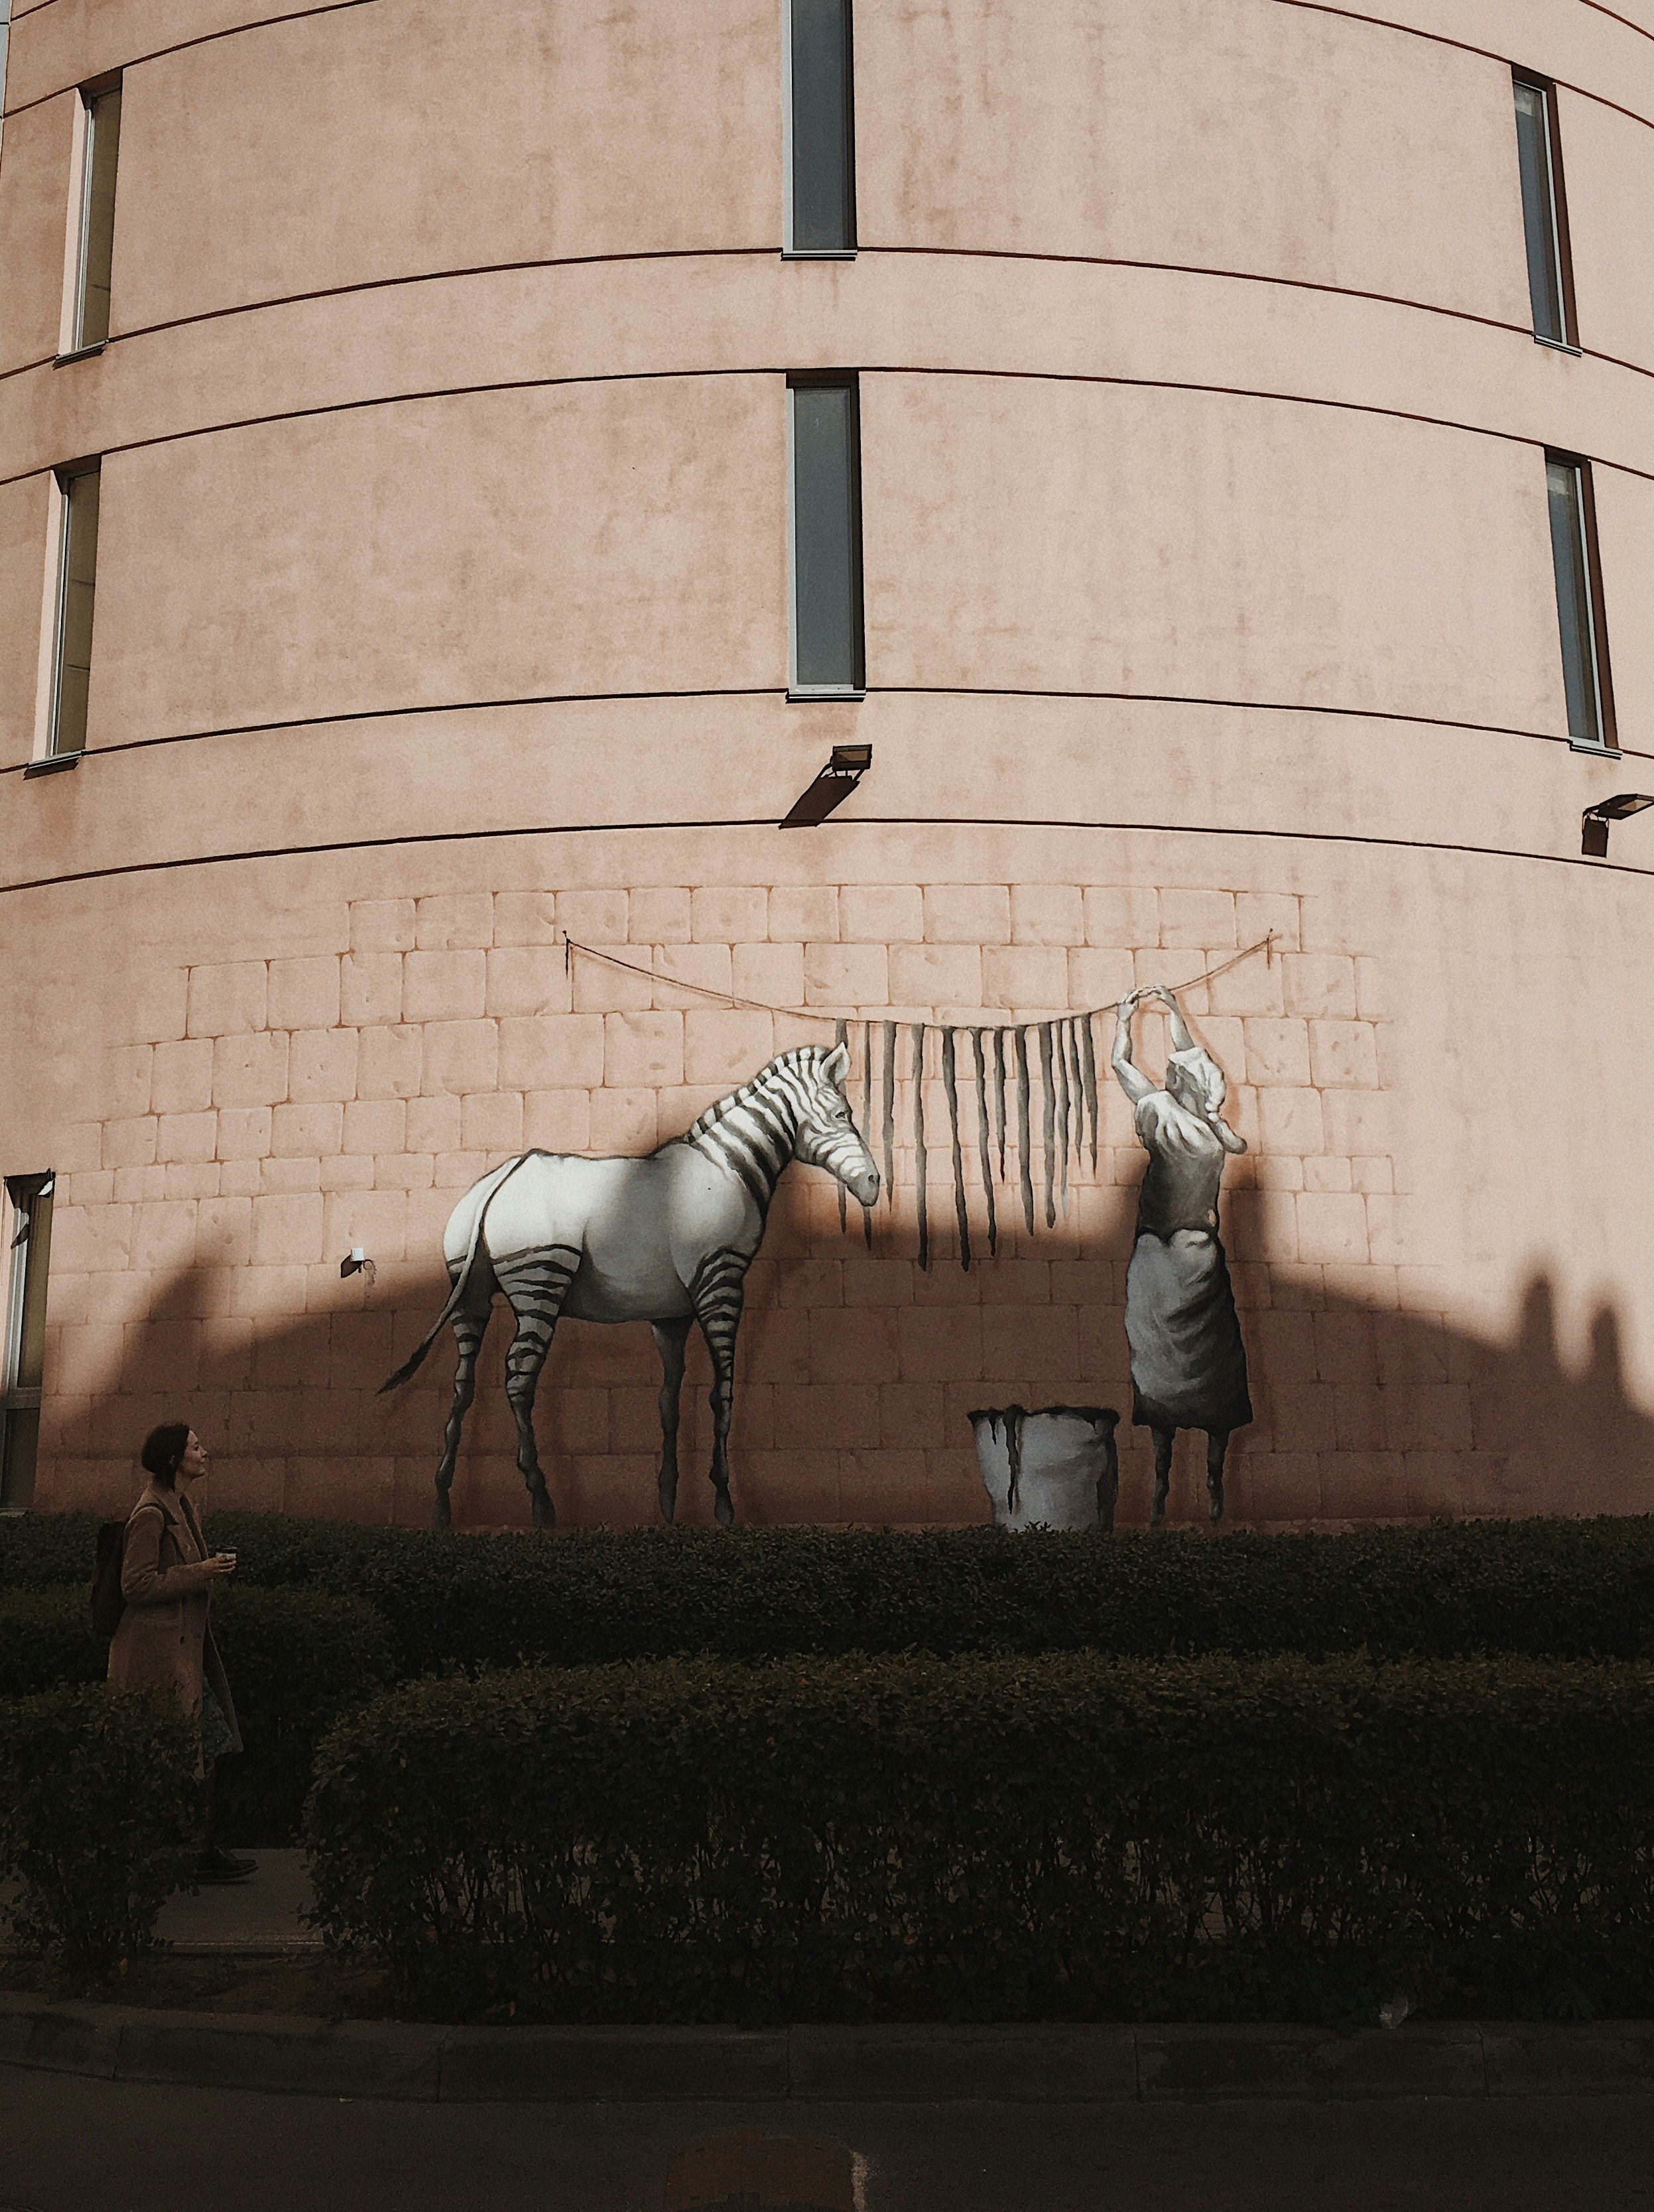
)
(837, 1065)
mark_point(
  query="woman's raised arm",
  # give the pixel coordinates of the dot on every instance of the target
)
(1131, 1080)
(1181, 1037)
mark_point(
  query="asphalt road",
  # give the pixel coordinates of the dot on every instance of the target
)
(68, 2144)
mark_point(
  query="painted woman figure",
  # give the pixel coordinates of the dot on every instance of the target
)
(1188, 1363)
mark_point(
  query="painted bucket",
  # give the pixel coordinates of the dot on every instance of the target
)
(1055, 1468)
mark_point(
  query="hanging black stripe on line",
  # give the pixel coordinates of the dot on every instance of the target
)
(841, 1037)
(984, 1140)
(950, 1085)
(1024, 1148)
(867, 1119)
(920, 1156)
(1048, 1123)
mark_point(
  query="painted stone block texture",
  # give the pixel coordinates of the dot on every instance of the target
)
(313, 1102)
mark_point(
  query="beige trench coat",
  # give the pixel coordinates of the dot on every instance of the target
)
(164, 1640)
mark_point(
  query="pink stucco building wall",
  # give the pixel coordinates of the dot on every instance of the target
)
(441, 615)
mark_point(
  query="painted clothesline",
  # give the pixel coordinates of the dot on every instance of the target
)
(1068, 1090)
(572, 946)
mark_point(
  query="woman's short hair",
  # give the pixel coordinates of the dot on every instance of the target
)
(163, 1447)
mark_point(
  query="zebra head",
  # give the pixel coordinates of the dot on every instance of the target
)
(827, 1137)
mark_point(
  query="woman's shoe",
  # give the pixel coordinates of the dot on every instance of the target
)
(216, 1864)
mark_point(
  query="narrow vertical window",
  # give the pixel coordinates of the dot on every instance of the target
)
(821, 128)
(5, 25)
(1544, 213)
(1579, 603)
(97, 230)
(824, 440)
(77, 575)
(24, 1363)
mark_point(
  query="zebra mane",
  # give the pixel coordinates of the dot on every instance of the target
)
(755, 1086)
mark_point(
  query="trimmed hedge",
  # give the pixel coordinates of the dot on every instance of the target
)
(1548, 1589)
(1062, 1837)
(98, 1810)
(295, 1659)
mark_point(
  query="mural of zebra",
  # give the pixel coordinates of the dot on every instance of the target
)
(666, 1239)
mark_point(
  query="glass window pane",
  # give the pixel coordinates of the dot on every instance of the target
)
(826, 537)
(1573, 603)
(19, 1448)
(1539, 211)
(824, 195)
(29, 1291)
(74, 608)
(24, 1341)
(98, 224)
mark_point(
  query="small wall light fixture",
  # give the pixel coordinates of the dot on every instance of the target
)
(1593, 823)
(356, 1262)
(849, 764)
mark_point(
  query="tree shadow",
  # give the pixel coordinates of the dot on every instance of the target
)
(856, 1374)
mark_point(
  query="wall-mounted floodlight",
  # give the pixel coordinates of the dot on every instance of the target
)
(849, 764)
(1593, 823)
(356, 1262)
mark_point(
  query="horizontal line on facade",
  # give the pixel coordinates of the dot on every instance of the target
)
(780, 691)
(773, 253)
(181, 46)
(1599, 8)
(929, 821)
(1311, 7)
(863, 368)
(401, 714)
(1483, 53)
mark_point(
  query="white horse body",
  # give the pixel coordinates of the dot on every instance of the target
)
(666, 1239)
(640, 1227)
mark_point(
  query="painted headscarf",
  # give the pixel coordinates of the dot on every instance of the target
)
(1203, 1074)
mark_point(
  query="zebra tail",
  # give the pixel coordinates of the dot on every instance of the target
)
(416, 1357)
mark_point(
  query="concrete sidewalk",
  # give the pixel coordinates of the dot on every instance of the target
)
(260, 1917)
(1019, 2065)
(1033, 2063)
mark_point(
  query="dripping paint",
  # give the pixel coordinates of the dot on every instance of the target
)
(1058, 1467)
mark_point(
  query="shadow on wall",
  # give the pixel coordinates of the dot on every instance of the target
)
(856, 1374)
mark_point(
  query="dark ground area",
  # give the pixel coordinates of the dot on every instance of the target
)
(307, 1983)
(68, 2144)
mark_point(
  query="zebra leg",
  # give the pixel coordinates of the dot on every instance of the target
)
(536, 1283)
(717, 1292)
(470, 1327)
(671, 1340)
(1164, 1440)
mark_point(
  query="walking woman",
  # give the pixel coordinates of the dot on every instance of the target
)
(164, 1640)
(1188, 1363)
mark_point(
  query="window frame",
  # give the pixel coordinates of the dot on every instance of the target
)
(790, 252)
(817, 379)
(1561, 248)
(27, 1222)
(1606, 744)
(73, 344)
(65, 477)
